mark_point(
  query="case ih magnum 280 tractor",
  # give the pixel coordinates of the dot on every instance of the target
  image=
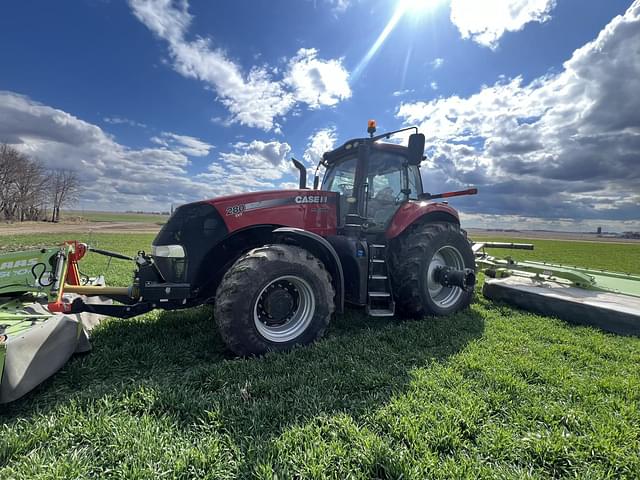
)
(278, 264)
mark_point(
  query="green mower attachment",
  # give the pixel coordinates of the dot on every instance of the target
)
(27, 271)
(36, 337)
(599, 298)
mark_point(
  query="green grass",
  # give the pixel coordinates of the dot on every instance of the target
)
(490, 392)
(92, 216)
(619, 257)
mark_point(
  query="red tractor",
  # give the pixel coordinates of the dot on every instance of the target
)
(278, 264)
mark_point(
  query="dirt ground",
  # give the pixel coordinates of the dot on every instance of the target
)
(102, 227)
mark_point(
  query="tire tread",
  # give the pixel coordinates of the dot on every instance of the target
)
(239, 334)
(406, 256)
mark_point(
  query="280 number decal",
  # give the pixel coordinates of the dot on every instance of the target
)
(235, 210)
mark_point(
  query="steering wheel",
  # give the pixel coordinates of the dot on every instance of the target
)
(345, 188)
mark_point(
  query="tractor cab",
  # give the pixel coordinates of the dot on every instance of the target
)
(373, 178)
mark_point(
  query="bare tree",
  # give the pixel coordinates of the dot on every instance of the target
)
(26, 188)
(64, 187)
(12, 163)
(30, 191)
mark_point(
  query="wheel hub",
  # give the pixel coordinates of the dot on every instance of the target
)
(284, 308)
(445, 294)
(278, 303)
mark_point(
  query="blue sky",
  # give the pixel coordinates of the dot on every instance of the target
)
(157, 102)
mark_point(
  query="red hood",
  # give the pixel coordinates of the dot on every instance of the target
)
(313, 210)
(255, 196)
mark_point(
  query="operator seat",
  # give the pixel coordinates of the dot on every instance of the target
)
(382, 206)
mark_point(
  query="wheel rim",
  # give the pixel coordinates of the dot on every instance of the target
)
(446, 256)
(284, 309)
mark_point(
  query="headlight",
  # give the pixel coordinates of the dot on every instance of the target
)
(167, 251)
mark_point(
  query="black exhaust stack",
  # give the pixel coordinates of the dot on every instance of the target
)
(303, 173)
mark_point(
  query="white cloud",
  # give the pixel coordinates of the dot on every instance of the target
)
(223, 122)
(320, 142)
(258, 155)
(563, 146)
(317, 82)
(437, 63)
(339, 6)
(434, 85)
(401, 93)
(288, 186)
(254, 99)
(255, 165)
(116, 177)
(186, 144)
(487, 20)
(124, 121)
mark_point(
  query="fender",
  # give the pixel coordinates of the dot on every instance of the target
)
(322, 249)
(412, 211)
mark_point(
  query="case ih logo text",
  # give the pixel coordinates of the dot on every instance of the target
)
(311, 199)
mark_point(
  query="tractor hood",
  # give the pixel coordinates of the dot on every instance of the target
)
(195, 229)
(312, 210)
(254, 200)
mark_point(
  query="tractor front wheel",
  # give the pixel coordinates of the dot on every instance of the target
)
(415, 258)
(272, 298)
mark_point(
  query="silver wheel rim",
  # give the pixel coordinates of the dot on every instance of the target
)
(300, 316)
(447, 256)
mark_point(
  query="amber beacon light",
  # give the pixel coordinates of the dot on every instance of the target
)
(371, 127)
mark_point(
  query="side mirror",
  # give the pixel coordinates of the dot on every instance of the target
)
(416, 148)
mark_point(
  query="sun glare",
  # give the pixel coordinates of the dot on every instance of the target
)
(417, 7)
(404, 7)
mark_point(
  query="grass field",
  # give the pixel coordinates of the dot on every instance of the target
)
(620, 257)
(91, 216)
(490, 392)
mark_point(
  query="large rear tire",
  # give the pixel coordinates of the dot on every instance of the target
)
(272, 298)
(414, 258)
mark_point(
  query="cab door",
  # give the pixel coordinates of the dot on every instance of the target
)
(341, 179)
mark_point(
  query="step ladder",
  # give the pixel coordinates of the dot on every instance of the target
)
(379, 295)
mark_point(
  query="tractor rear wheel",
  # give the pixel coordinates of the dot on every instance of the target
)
(272, 298)
(415, 258)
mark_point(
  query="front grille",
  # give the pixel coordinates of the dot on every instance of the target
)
(198, 227)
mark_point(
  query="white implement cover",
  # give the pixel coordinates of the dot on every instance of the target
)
(40, 351)
(612, 312)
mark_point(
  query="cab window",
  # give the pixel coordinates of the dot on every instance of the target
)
(385, 184)
(342, 177)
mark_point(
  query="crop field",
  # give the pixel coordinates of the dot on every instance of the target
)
(490, 392)
(93, 216)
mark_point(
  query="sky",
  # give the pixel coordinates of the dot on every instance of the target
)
(161, 102)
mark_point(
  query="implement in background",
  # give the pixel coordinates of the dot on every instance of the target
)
(599, 298)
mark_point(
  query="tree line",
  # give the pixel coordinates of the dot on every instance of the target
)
(29, 191)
